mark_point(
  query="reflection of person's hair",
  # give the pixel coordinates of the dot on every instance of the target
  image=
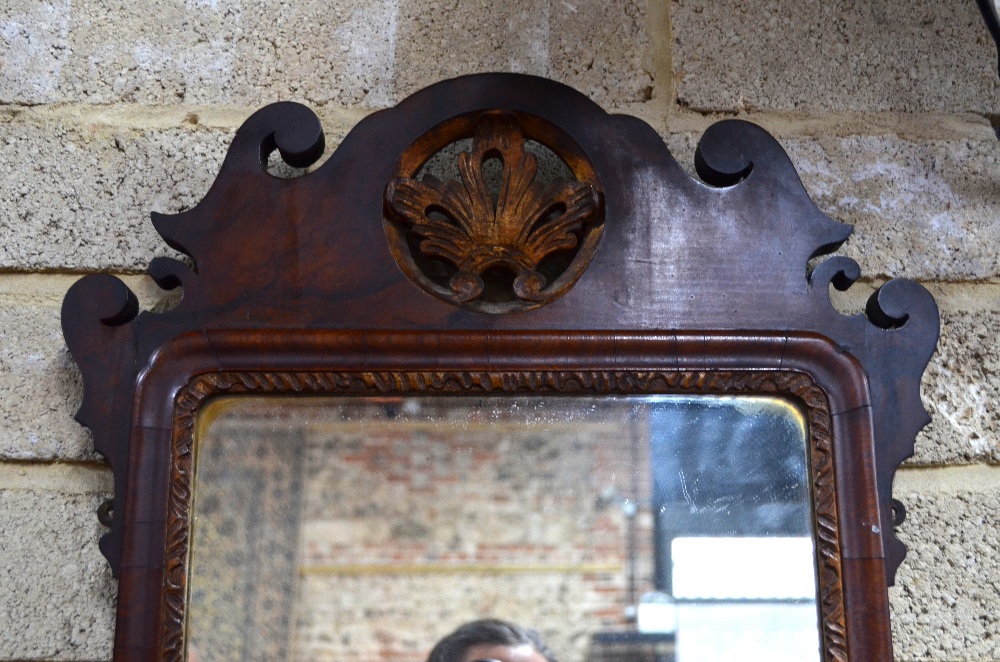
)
(488, 631)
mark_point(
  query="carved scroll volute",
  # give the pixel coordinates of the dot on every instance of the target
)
(449, 237)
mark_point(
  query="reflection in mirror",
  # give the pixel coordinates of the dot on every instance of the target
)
(365, 528)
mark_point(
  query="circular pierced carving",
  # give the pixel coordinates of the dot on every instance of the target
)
(516, 245)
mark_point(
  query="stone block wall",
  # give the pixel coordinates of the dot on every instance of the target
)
(111, 109)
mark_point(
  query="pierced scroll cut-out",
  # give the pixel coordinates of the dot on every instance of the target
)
(516, 247)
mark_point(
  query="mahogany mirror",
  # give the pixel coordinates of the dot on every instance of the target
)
(500, 355)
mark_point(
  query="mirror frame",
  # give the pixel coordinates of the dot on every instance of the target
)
(296, 287)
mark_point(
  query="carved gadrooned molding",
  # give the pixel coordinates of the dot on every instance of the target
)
(725, 252)
(795, 385)
(515, 248)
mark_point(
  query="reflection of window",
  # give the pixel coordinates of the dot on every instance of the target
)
(723, 468)
(733, 541)
(716, 569)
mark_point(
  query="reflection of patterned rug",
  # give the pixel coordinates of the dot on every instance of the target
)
(243, 566)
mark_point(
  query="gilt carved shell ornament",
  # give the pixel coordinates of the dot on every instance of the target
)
(457, 240)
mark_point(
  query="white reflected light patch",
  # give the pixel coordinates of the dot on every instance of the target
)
(779, 568)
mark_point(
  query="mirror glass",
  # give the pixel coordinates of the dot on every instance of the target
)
(366, 528)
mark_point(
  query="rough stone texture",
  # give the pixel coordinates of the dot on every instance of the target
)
(93, 190)
(349, 52)
(40, 387)
(944, 604)
(596, 46)
(962, 381)
(79, 195)
(921, 209)
(961, 388)
(817, 55)
(56, 592)
(199, 51)
(33, 50)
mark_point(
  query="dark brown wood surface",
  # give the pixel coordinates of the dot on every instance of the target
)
(539, 363)
(299, 275)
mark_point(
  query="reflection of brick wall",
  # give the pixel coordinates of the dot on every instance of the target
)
(244, 550)
(410, 530)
